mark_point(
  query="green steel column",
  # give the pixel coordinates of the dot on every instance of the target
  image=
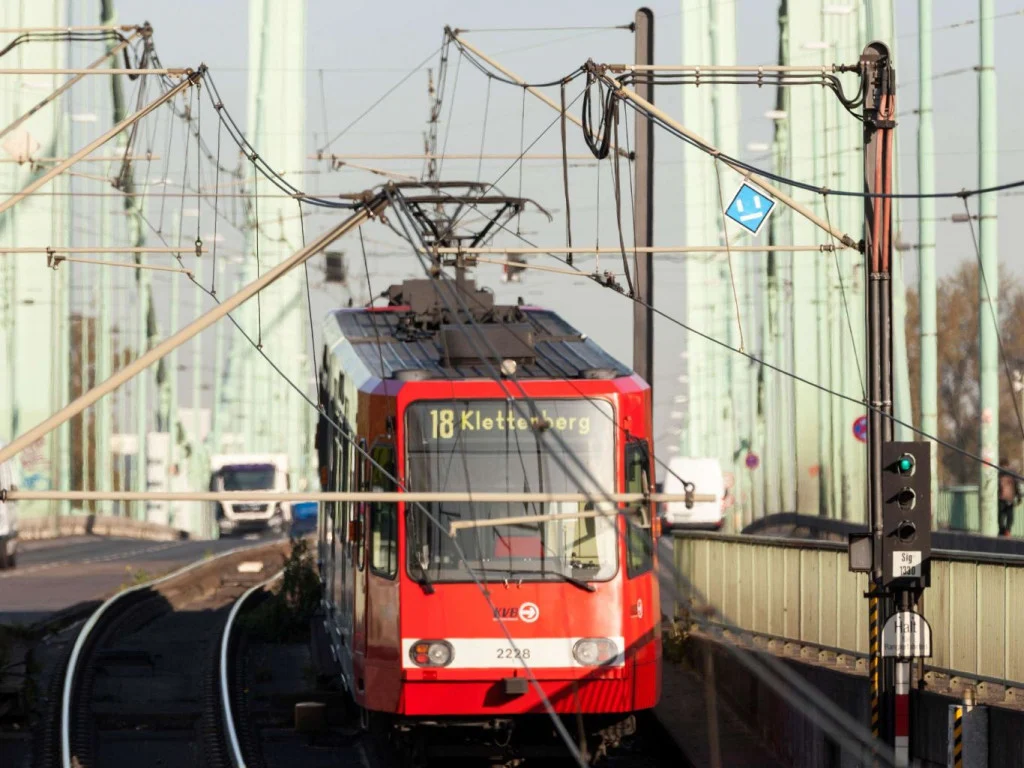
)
(804, 135)
(926, 238)
(732, 393)
(831, 329)
(277, 103)
(699, 354)
(87, 340)
(755, 477)
(774, 401)
(255, 376)
(988, 304)
(216, 413)
(104, 418)
(141, 389)
(817, 265)
(173, 403)
(852, 212)
(195, 440)
(31, 361)
(104, 408)
(62, 368)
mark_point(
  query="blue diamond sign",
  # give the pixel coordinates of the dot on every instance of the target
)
(750, 208)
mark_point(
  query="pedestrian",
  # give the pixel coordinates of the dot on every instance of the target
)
(1009, 495)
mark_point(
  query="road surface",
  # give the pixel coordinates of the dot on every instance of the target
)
(57, 573)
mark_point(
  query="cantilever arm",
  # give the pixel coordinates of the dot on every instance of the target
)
(530, 89)
(766, 185)
(373, 207)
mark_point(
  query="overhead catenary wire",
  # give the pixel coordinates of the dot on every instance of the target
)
(543, 29)
(375, 104)
(840, 716)
(777, 369)
(821, 190)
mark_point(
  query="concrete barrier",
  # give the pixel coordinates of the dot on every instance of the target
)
(34, 528)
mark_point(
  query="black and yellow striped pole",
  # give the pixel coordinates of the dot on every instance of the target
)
(958, 737)
(875, 630)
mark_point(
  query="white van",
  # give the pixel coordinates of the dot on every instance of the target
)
(8, 516)
(706, 476)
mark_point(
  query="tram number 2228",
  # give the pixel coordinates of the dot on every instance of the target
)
(512, 653)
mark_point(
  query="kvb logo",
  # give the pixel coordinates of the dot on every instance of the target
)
(506, 614)
(527, 612)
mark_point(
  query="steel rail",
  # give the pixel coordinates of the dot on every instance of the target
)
(256, 497)
(235, 749)
(83, 637)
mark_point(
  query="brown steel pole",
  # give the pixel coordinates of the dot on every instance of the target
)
(879, 116)
(643, 208)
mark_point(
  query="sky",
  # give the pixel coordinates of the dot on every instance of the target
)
(357, 50)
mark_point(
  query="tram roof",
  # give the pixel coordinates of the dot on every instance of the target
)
(388, 342)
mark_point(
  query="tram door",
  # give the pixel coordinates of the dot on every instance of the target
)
(338, 542)
(355, 586)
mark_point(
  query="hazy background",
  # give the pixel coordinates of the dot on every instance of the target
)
(357, 50)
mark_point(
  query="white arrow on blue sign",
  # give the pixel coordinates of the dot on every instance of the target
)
(750, 208)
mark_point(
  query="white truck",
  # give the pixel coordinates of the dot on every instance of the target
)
(707, 478)
(256, 472)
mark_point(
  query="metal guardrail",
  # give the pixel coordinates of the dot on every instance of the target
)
(811, 527)
(801, 591)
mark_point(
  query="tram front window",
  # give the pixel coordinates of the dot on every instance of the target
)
(553, 446)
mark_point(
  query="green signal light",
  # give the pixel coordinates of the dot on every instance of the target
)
(905, 465)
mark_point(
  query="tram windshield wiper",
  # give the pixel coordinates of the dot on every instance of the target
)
(513, 572)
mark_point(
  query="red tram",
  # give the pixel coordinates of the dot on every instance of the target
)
(416, 638)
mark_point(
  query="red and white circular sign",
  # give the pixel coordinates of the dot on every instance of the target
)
(529, 612)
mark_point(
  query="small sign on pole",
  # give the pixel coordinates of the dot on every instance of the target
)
(906, 635)
(860, 429)
(750, 208)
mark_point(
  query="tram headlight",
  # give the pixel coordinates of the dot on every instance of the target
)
(431, 653)
(594, 651)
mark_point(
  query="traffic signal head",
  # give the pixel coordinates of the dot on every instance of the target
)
(905, 464)
(906, 514)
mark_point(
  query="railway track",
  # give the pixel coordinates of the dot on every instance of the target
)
(159, 675)
(148, 680)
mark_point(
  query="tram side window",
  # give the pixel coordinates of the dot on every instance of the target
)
(383, 515)
(639, 543)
